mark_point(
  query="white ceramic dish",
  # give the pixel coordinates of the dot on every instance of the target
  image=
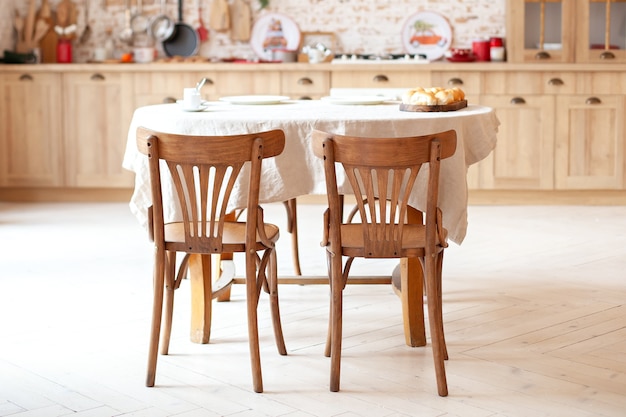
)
(350, 100)
(274, 31)
(254, 99)
(427, 33)
(203, 106)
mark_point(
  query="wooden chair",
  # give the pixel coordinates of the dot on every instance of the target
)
(382, 173)
(204, 170)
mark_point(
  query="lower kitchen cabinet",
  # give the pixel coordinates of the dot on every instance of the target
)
(98, 108)
(30, 130)
(524, 155)
(590, 142)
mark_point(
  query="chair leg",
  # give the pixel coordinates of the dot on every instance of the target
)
(292, 227)
(252, 297)
(435, 322)
(330, 312)
(336, 319)
(157, 311)
(170, 271)
(440, 302)
(275, 309)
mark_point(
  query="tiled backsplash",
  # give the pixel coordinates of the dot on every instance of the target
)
(360, 26)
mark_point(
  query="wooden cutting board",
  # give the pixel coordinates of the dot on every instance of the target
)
(48, 44)
(240, 19)
(219, 18)
(443, 107)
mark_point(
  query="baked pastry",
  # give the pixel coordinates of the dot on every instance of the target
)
(433, 96)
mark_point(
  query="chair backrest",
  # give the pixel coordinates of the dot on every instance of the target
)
(204, 170)
(382, 173)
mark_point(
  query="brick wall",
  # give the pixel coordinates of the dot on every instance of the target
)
(360, 26)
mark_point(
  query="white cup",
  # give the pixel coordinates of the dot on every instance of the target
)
(99, 54)
(315, 56)
(191, 98)
(143, 55)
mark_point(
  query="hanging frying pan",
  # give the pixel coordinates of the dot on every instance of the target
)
(184, 41)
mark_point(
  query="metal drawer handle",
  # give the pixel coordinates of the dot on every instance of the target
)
(208, 81)
(455, 81)
(97, 77)
(168, 100)
(380, 78)
(542, 55)
(556, 82)
(305, 81)
(518, 100)
(593, 100)
(607, 55)
(26, 77)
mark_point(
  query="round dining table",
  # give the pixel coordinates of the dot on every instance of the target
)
(297, 172)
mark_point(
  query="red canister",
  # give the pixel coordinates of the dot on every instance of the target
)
(481, 48)
(64, 51)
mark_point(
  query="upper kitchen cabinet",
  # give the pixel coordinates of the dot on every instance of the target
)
(602, 27)
(30, 129)
(98, 107)
(541, 30)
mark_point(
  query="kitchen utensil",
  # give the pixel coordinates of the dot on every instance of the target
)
(203, 32)
(48, 44)
(84, 37)
(29, 23)
(18, 23)
(162, 27)
(219, 16)
(139, 22)
(201, 84)
(126, 35)
(185, 41)
(240, 15)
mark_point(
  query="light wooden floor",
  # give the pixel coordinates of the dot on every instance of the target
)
(534, 308)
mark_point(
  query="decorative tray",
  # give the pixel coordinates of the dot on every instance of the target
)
(440, 107)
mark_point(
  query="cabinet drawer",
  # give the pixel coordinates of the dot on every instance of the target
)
(380, 79)
(529, 82)
(469, 82)
(601, 82)
(168, 86)
(305, 83)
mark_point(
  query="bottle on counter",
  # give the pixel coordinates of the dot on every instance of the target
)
(496, 49)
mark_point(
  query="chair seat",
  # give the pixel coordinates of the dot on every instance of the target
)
(413, 240)
(234, 237)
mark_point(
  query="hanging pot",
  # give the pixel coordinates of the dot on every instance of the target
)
(185, 40)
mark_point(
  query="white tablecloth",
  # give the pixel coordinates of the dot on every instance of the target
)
(297, 171)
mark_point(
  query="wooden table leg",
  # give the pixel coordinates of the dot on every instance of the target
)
(201, 297)
(408, 282)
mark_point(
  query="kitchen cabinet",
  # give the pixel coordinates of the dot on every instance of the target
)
(590, 142)
(601, 31)
(305, 84)
(98, 107)
(566, 31)
(30, 129)
(380, 78)
(468, 81)
(525, 103)
(540, 31)
(166, 87)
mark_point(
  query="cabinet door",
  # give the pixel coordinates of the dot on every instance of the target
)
(523, 157)
(540, 31)
(30, 130)
(98, 108)
(601, 31)
(590, 142)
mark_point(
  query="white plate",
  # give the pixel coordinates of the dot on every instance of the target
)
(254, 99)
(355, 99)
(274, 31)
(427, 33)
